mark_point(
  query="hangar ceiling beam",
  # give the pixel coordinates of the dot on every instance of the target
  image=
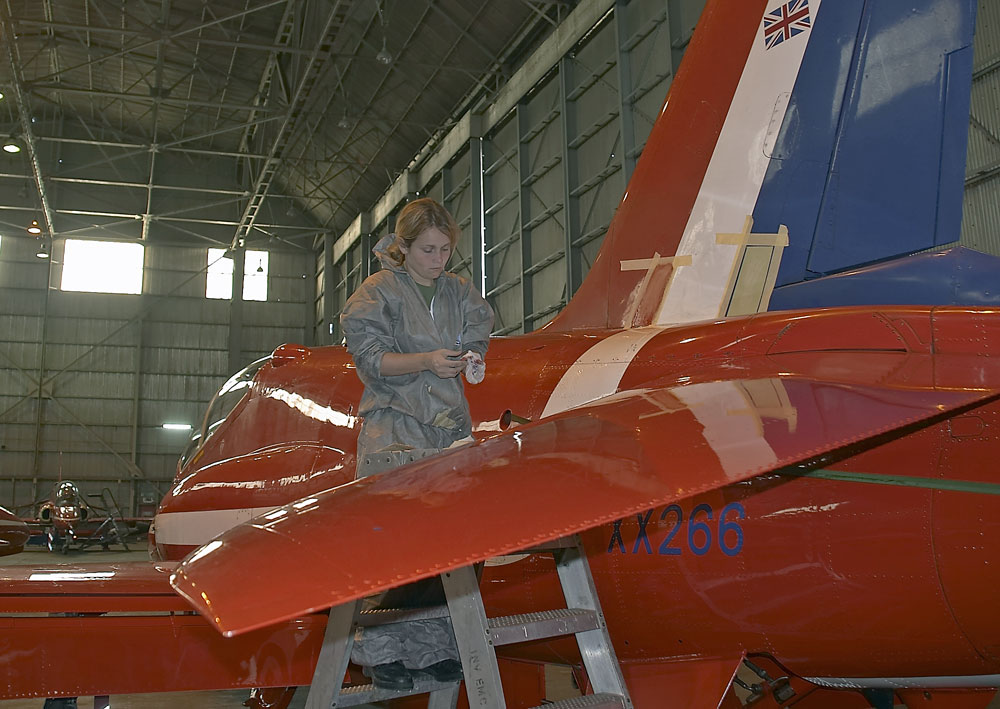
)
(155, 98)
(157, 91)
(310, 73)
(282, 38)
(175, 147)
(433, 157)
(24, 116)
(108, 160)
(377, 89)
(159, 38)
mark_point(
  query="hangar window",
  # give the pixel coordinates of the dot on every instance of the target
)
(220, 275)
(255, 276)
(102, 266)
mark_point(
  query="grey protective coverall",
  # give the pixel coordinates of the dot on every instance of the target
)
(388, 314)
(420, 410)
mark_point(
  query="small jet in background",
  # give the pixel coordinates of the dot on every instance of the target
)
(69, 522)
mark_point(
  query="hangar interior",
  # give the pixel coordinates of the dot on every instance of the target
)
(238, 159)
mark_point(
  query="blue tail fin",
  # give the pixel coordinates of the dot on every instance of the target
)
(870, 159)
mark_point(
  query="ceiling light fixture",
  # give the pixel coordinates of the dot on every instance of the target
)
(383, 57)
(344, 122)
(43, 250)
(11, 146)
(34, 229)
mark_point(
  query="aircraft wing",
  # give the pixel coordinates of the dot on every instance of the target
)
(587, 466)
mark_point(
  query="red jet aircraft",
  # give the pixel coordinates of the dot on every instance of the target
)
(813, 490)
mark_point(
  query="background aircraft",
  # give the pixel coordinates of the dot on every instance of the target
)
(69, 522)
(805, 488)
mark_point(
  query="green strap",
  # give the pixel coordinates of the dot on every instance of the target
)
(900, 480)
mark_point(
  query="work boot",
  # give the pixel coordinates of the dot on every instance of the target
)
(392, 675)
(444, 671)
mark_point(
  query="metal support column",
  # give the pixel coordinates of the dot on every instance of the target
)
(331, 294)
(136, 408)
(36, 463)
(478, 218)
(309, 306)
(524, 204)
(625, 89)
(367, 243)
(569, 163)
(236, 312)
(676, 44)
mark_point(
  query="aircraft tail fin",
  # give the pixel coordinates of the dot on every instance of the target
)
(799, 138)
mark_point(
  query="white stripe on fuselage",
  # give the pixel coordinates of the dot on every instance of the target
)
(731, 424)
(201, 526)
(735, 173)
(598, 371)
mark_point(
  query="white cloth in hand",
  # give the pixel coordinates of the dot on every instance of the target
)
(475, 369)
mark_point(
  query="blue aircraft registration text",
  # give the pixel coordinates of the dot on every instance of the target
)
(703, 531)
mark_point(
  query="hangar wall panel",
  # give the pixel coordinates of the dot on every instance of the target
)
(552, 169)
(116, 367)
(981, 208)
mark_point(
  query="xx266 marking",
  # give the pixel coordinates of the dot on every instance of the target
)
(703, 531)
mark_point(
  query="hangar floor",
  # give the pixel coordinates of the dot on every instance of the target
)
(193, 700)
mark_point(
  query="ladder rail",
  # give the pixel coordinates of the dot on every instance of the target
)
(599, 657)
(475, 643)
(477, 637)
(331, 665)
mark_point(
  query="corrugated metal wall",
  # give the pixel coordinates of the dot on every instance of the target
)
(114, 368)
(981, 211)
(549, 173)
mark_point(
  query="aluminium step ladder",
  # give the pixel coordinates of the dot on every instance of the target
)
(478, 637)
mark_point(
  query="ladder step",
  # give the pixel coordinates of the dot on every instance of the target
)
(383, 616)
(589, 701)
(369, 693)
(510, 629)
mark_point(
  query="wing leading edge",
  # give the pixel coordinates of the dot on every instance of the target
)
(623, 454)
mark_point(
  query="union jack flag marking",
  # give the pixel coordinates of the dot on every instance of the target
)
(786, 21)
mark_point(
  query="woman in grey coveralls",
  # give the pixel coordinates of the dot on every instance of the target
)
(407, 328)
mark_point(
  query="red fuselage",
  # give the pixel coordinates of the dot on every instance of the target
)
(882, 563)
(14, 533)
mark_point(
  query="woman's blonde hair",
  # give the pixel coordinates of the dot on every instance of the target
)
(417, 217)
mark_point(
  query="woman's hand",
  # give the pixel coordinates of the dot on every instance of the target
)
(446, 364)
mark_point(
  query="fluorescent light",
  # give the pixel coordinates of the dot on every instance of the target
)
(177, 426)
(71, 575)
